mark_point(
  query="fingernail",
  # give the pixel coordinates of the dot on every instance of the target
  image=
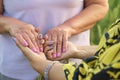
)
(40, 36)
(46, 36)
(25, 44)
(54, 56)
(64, 50)
(41, 49)
(58, 55)
(35, 50)
(42, 41)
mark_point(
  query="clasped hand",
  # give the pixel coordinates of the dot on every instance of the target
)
(54, 45)
(47, 49)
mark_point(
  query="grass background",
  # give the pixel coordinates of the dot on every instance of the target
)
(113, 14)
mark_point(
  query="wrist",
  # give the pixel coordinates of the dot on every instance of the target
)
(4, 28)
(76, 53)
(7, 28)
(82, 52)
(68, 28)
(40, 65)
(44, 67)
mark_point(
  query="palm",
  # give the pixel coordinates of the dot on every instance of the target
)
(70, 53)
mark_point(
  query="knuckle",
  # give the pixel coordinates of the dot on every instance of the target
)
(59, 42)
(30, 27)
(55, 42)
(16, 34)
(33, 39)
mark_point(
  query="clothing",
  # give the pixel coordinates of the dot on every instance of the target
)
(45, 14)
(2, 77)
(105, 65)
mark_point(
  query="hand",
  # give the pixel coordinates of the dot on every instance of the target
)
(60, 37)
(41, 41)
(34, 58)
(70, 53)
(25, 34)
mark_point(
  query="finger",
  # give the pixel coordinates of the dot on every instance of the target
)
(48, 43)
(31, 45)
(48, 48)
(54, 38)
(65, 39)
(46, 37)
(40, 36)
(37, 29)
(21, 40)
(33, 37)
(38, 41)
(50, 55)
(41, 42)
(59, 44)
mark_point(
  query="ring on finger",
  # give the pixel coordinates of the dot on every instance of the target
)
(42, 41)
(40, 36)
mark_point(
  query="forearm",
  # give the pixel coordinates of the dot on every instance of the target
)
(85, 51)
(92, 13)
(3, 28)
(7, 22)
(55, 73)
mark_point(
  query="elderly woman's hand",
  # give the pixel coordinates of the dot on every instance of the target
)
(60, 37)
(25, 34)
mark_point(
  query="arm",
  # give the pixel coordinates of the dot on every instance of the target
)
(39, 63)
(22, 31)
(73, 51)
(68, 71)
(94, 11)
(85, 51)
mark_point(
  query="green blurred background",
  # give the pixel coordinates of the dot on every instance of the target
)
(102, 26)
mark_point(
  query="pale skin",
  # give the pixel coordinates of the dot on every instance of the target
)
(39, 61)
(94, 11)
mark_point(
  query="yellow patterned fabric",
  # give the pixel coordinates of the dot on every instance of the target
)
(104, 65)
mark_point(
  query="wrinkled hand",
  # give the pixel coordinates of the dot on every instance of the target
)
(60, 37)
(26, 35)
(34, 58)
(70, 53)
